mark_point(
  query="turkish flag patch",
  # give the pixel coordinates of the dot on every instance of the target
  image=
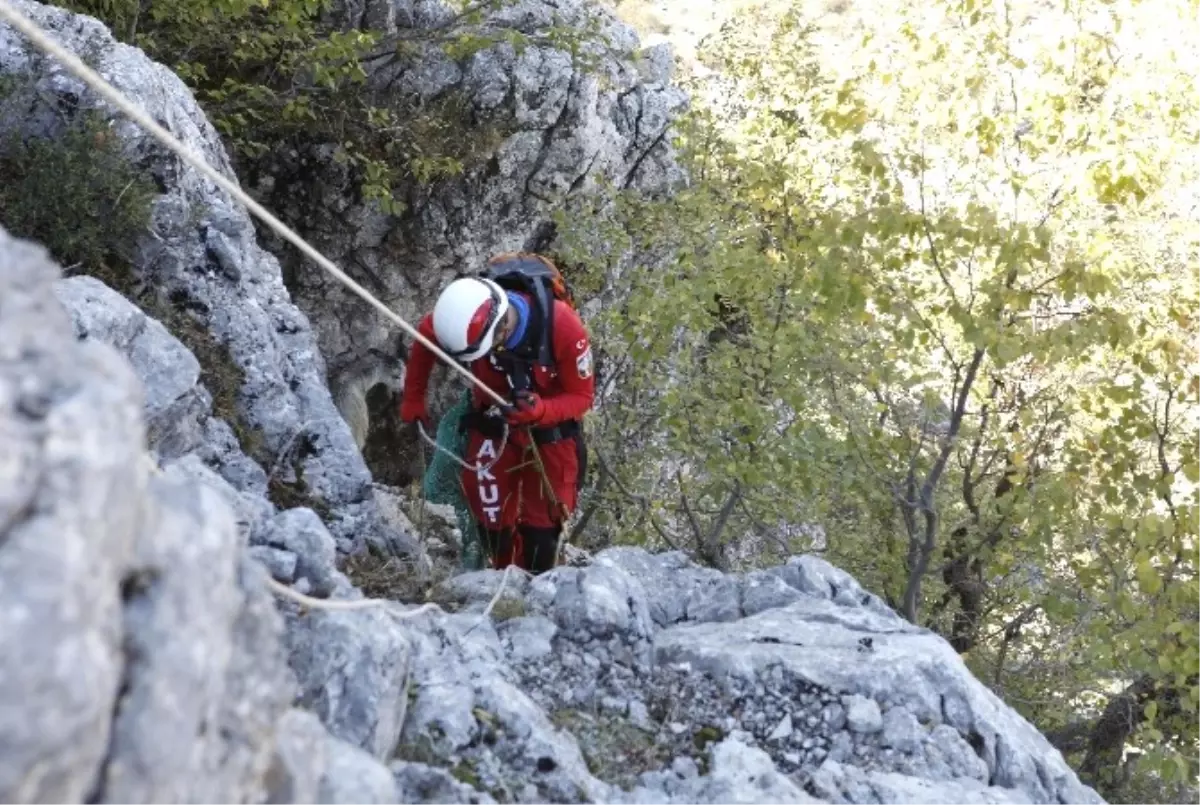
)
(584, 363)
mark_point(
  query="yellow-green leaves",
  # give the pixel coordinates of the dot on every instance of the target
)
(963, 179)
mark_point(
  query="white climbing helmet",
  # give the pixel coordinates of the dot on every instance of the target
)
(466, 316)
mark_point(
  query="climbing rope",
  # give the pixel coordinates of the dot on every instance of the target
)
(74, 65)
(90, 77)
(477, 467)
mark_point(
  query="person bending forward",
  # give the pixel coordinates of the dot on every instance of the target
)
(517, 331)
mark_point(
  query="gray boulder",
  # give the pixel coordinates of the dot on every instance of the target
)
(175, 403)
(737, 774)
(299, 759)
(474, 590)
(599, 601)
(762, 591)
(821, 683)
(150, 666)
(203, 256)
(469, 717)
(675, 588)
(205, 676)
(418, 782)
(814, 576)
(72, 487)
(353, 670)
(352, 776)
(312, 766)
(838, 783)
(301, 533)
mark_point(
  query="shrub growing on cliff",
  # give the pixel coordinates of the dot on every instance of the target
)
(279, 75)
(76, 193)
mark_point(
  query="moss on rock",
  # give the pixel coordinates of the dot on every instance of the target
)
(615, 749)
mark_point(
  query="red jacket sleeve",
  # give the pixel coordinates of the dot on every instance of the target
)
(420, 363)
(576, 373)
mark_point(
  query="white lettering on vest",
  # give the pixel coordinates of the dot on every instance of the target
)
(489, 493)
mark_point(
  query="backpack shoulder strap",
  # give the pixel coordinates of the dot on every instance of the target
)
(538, 277)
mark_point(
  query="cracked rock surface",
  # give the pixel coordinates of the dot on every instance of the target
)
(591, 688)
(156, 666)
(549, 128)
(137, 536)
(151, 662)
(148, 660)
(202, 256)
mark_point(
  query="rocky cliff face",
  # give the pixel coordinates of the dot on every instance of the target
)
(151, 663)
(145, 659)
(203, 260)
(550, 127)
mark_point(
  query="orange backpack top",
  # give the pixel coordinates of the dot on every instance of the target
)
(523, 270)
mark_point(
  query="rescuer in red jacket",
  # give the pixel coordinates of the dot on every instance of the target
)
(518, 332)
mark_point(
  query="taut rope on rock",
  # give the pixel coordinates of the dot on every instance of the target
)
(75, 66)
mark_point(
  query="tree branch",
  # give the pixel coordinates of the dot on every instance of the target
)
(687, 510)
(712, 548)
(912, 592)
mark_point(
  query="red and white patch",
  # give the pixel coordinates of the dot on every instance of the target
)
(583, 364)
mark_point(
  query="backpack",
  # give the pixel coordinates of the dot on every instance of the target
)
(535, 275)
(541, 279)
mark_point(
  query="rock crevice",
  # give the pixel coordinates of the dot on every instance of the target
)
(202, 256)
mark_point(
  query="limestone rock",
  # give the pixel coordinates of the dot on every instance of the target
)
(739, 773)
(204, 256)
(72, 485)
(300, 757)
(794, 689)
(548, 131)
(150, 666)
(353, 670)
(838, 783)
(168, 372)
(353, 777)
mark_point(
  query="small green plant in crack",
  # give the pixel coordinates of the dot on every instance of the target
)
(614, 748)
(75, 193)
(276, 76)
(379, 575)
(420, 750)
(705, 736)
(295, 493)
(465, 772)
(507, 609)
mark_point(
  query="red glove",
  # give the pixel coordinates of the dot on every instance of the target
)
(412, 409)
(527, 410)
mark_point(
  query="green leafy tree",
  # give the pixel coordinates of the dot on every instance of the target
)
(935, 292)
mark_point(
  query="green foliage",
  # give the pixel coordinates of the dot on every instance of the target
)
(614, 749)
(936, 294)
(75, 193)
(275, 75)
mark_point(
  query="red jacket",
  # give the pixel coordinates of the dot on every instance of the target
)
(567, 388)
